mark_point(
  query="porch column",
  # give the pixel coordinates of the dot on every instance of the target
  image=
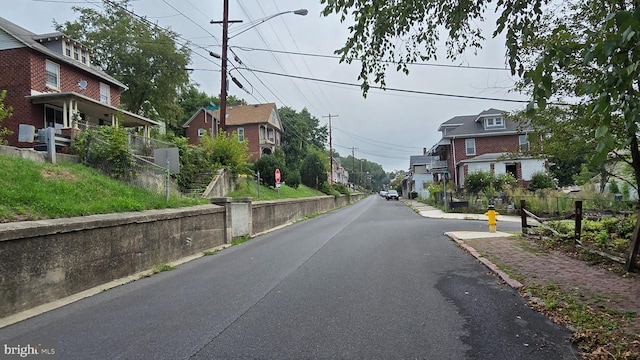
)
(65, 114)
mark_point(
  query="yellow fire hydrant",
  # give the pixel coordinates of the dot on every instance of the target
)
(492, 214)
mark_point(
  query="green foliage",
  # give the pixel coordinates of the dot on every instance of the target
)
(227, 151)
(145, 57)
(312, 171)
(247, 187)
(540, 180)
(326, 188)
(5, 112)
(33, 191)
(106, 149)
(292, 178)
(303, 131)
(477, 182)
(267, 165)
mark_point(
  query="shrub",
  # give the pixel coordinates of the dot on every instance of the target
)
(5, 112)
(267, 166)
(540, 180)
(292, 178)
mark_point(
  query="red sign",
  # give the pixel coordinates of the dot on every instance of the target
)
(277, 175)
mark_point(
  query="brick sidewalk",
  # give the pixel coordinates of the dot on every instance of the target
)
(534, 266)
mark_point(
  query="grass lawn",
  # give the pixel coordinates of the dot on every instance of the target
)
(248, 187)
(32, 191)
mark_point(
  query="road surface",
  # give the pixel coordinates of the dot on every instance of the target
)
(373, 280)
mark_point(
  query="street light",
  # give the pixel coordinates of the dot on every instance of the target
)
(301, 12)
(225, 38)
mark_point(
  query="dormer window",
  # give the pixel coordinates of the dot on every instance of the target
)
(494, 123)
(67, 48)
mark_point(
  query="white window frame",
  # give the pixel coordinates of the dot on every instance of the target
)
(523, 145)
(52, 70)
(470, 144)
(67, 47)
(105, 93)
(84, 57)
(201, 132)
(494, 123)
(241, 134)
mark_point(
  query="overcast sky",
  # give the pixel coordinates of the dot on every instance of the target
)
(385, 128)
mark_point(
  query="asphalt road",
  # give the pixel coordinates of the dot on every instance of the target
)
(373, 280)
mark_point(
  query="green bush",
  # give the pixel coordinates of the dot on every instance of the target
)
(540, 180)
(267, 166)
(292, 178)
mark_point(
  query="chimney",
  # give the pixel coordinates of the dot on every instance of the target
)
(424, 151)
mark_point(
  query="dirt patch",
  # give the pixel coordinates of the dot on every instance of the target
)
(58, 173)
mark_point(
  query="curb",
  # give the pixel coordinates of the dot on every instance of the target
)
(493, 267)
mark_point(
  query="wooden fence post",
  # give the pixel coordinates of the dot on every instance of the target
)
(633, 248)
(523, 216)
(578, 224)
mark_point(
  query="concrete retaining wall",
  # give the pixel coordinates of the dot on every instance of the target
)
(42, 261)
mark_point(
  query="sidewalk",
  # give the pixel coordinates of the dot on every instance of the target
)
(597, 286)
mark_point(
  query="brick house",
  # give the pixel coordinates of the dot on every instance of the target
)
(50, 82)
(258, 124)
(489, 142)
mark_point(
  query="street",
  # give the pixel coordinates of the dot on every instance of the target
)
(373, 280)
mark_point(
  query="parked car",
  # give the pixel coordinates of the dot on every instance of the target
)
(383, 193)
(392, 194)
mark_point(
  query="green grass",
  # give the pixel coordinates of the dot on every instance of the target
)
(209, 252)
(248, 188)
(32, 191)
(162, 267)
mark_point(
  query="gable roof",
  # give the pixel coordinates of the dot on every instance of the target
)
(251, 114)
(30, 40)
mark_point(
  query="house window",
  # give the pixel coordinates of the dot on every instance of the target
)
(494, 123)
(105, 94)
(67, 48)
(271, 135)
(470, 145)
(53, 75)
(523, 143)
(241, 134)
(263, 134)
(83, 54)
(201, 132)
(76, 53)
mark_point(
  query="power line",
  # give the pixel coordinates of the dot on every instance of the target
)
(388, 62)
(395, 89)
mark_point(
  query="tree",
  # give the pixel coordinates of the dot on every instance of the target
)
(5, 112)
(312, 170)
(583, 49)
(143, 56)
(301, 131)
(540, 180)
(477, 182)
(267, 165)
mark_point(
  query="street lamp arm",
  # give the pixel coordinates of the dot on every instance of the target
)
(251, 25)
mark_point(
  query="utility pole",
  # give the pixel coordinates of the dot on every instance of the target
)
(223, 75)
(330, 148)
(353, 163)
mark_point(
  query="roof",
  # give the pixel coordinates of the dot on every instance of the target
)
(470, 126)
(30, 40)
(129, 119)
(252, 114)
